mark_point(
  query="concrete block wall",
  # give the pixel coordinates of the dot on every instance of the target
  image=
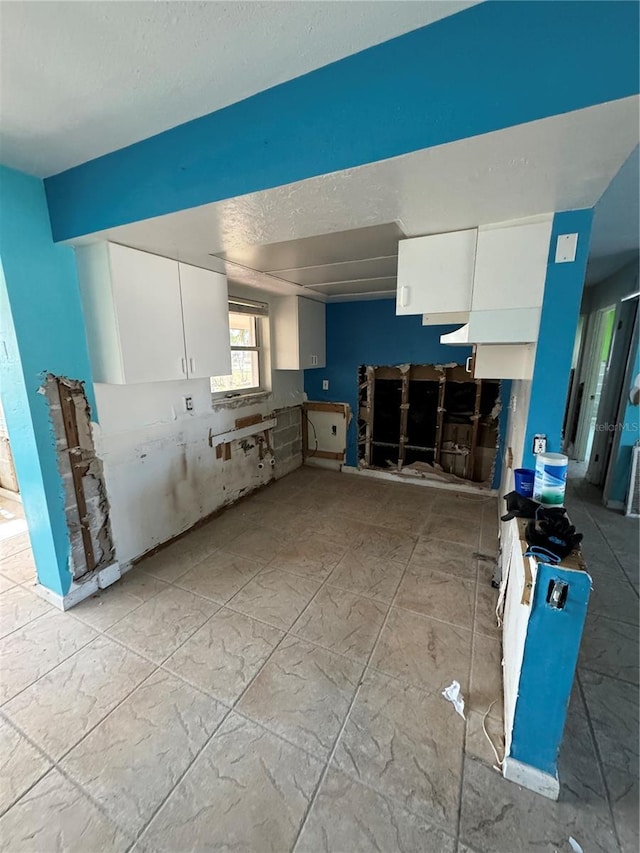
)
(287, 440)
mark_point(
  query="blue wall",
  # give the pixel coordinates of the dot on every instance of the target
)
(629, 434)
(43, 328)
(548, 665)
(492, 66)
(371, 333)
(560, 313)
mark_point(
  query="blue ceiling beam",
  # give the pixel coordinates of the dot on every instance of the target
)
(492, 66)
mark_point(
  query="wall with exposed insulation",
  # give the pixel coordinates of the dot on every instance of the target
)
(162, 476)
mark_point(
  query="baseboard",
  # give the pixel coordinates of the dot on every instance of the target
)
(331, 464)
(618, 505)
(78, 591)
(530, 777)
(419, 481)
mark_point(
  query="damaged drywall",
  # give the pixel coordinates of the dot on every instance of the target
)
(432, 421)
(85, 498)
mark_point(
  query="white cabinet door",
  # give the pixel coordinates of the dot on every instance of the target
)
(506, 361)
(146, 296)
(205, 313)
(509, 326)
(311, 332)
(435, 273)
(511, 266)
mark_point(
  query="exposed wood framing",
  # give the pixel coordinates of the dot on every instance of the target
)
(315, 406)
(440, 417)
(475, 422)
(370, 399)
(79, 467)
(326, 407)
(457, 434)
(404, 414)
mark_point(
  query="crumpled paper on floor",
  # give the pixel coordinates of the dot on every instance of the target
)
(452, 694)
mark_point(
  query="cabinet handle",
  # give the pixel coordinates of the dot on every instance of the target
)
(192, 365)
(404, 296)
(184, 365)
(467, 366)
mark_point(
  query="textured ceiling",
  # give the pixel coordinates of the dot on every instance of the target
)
(561, 163)
(81, 79)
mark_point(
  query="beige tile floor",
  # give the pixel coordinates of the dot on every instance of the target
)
(271, 682)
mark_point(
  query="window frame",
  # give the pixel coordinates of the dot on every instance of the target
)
(260, 313)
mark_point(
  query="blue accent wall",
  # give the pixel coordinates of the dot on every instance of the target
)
(560, 313)
(629, 434)
(548, 666)
(43, 330)
(370, 333)
(492, 66)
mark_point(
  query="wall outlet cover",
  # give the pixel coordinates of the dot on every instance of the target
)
(539, 443)
(188, 404)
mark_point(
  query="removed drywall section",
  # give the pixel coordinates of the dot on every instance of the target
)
(161, 473)
(86, 504)
(432, 419)
(370, 333)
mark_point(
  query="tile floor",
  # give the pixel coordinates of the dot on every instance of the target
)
(271, 682)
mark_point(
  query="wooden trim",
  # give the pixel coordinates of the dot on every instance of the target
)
(248, 420)
(326, 454)
(325, 407)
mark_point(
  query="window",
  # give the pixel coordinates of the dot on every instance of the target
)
(247, 366)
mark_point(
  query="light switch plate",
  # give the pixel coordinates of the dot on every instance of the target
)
(325, 384)
(188, 404)
(566, 247)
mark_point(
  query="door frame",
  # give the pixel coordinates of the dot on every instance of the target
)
(590, 369)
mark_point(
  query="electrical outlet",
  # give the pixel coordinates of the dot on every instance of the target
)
(334, 430)
(539, 443)
(325, 384)
(188, 404)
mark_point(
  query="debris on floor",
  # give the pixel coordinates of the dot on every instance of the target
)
(452, 694)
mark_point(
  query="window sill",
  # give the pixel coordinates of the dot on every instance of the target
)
(239, 401)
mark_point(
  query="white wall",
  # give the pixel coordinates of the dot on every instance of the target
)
(161, 475)
(516, 429)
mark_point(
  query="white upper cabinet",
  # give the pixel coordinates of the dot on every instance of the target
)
(435, 273)
(299, 331)
(134, 306)
(511, 266)
(205, 313)
(504, 361)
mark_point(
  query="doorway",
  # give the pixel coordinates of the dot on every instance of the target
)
(594, 342)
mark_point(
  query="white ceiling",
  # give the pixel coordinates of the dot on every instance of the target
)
(561, 163)
(81, 79)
